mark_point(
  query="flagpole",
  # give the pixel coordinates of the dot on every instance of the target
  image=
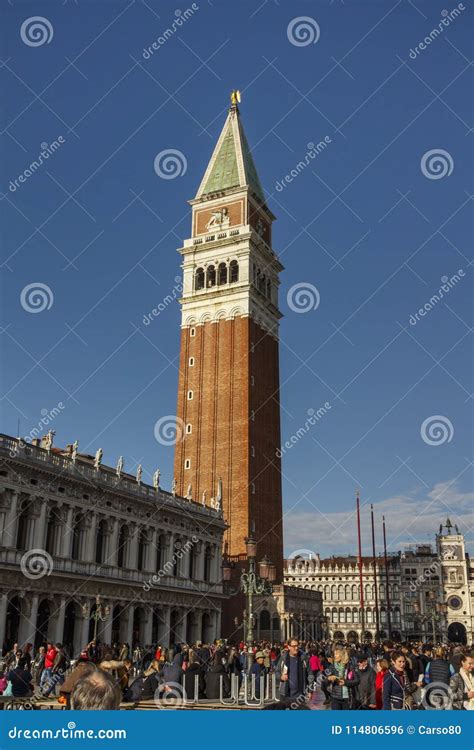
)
(361, 577)
(387, 592)
(374, 564)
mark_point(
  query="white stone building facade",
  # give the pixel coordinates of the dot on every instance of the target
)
(419, 580)
(70, 530)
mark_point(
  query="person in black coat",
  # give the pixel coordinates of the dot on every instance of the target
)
(364, 690)
(397, 687)
(20, 679)
(193, 670)
(213, 679)
(294, 673)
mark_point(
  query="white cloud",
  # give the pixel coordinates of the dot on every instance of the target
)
(411, 518)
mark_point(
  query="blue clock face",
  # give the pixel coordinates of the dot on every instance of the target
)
(455, 602)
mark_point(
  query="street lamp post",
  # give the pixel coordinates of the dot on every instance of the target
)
(252, 584)
(100, 614)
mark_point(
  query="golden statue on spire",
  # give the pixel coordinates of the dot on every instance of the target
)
(235, 97)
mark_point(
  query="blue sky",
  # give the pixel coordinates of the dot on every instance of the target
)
(366, 223)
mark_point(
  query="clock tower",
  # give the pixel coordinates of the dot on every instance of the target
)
(228, 391)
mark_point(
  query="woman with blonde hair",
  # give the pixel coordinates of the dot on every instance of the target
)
(340, 679)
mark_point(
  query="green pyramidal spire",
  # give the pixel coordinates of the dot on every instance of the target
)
(231, 165)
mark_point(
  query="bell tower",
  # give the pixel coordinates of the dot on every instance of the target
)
(228, 391)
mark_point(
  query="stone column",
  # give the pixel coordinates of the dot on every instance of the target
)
(29, 614)
(199, 562)
(113, 544)
(39, 536)
(126, 625)
(148, 625)
(180, 630)
(164, 626)
(149, 562)
(168, 552)
(132, 552)
(59, 626)
(11, 522)
(3, 617)
(91, 540)
(67, 534)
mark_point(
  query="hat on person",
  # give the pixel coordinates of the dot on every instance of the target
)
(260, 655)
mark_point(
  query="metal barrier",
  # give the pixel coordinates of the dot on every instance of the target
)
(248, 693)
(195, 699)
(234, 691)
(267, 690)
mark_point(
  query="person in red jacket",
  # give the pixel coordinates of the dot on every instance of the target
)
(49, 658)
(382, 666)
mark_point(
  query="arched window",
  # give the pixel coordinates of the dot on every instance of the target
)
(207, 564)
(77, 537)
(234, 271)
(327, 592)
(355, 592)
(22, 529)
(269, 289)
(193, 559)
(210, 276)
(142, 544)
(122, 547)
(176, 556)
(160, 549)
(355, 616)
(222, 273)
(334, 592)
(51, 536)
(342, 615)
(199, 279)
(100, 542)
(347, 592)
(261, 284)
(348, 615)
(340, 592)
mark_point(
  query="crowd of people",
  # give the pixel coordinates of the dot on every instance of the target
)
(333, 675)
